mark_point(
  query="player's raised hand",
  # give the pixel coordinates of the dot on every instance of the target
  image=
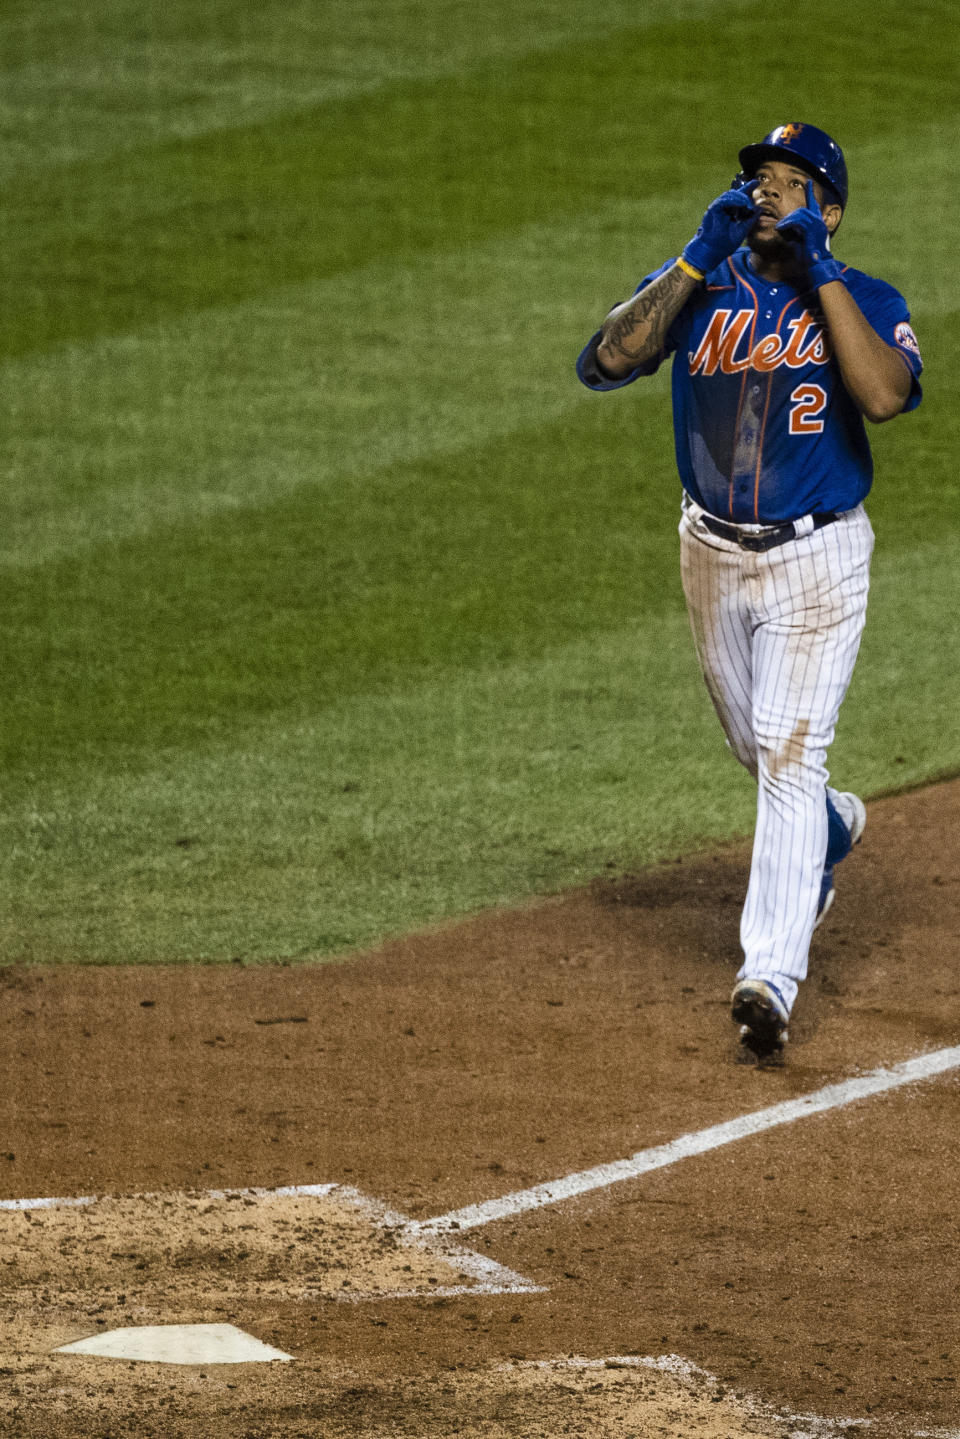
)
(806, 230)
(724, 227)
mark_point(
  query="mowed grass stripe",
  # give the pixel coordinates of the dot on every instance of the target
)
(234, 405)
(378, 815)
(105, 247)
(490, 554)
(67, 73)
(315, 833)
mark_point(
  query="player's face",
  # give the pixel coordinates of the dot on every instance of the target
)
(782, 189)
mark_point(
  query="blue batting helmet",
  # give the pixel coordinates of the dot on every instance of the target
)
(806, 147)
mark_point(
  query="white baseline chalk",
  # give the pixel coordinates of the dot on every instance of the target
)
(77, 1201)
(834, 1096)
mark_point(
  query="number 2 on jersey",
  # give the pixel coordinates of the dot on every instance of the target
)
(807, 401)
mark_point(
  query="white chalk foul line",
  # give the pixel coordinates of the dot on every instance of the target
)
(834, 1096)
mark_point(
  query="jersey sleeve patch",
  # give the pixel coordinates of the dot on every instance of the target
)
(906, 339)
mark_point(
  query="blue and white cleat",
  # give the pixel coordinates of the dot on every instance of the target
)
(760, 1010)
(853, 812)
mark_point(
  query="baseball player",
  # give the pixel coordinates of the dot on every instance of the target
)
(780, 351)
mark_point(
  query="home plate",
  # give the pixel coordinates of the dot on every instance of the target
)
(177, 1344)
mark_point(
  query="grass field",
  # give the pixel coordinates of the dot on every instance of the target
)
(332, 605)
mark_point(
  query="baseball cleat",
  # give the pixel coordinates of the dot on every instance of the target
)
(759, 1008)
(853, 812)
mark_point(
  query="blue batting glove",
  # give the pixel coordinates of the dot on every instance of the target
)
(811, 242)
(723, 229)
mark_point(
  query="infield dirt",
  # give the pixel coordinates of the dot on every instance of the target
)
(810, 1270)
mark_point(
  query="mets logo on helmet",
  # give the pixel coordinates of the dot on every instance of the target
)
(788, 133)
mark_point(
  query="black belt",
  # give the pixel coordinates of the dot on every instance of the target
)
(776, 535)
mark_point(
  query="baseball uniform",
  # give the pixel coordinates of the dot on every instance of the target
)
(775, 549)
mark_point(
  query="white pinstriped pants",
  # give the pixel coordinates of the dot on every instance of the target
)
(777, 636)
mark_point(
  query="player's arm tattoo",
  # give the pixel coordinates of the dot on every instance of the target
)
(635, 331)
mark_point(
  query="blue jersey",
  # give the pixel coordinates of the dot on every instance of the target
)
(765, 428)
